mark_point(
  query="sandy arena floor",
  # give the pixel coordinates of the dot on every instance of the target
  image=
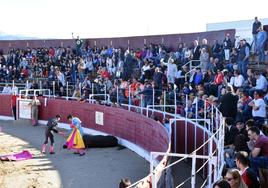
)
(99, 168)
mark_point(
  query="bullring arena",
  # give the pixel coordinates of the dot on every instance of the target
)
(169, 128)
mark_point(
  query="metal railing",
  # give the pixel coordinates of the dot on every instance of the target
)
(213, 128)
(33, 91)
(213, 162)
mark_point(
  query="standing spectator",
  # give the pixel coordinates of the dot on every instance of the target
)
(81, 70)
(60, 77)
(35, 103)
(196, 53)
(256, 25)
(13, 105)
(228, 105)
(73, 70)
(244, 110)
(148, 94)
(260, 44)
(171, 71)
(204, 60)
(216, 50)
(227, 46)
(243, 57)
(78, 45)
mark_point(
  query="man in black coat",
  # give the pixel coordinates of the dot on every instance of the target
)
(228, 103)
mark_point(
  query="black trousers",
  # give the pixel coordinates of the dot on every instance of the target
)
(50, 136)
(14, 111)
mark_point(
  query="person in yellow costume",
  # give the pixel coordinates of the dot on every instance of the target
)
(75, 139)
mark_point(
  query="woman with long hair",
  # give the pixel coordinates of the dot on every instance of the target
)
(234, 178)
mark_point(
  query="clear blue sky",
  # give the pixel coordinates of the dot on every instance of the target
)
(108, 18)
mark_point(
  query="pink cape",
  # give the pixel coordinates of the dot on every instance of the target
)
(24, 155)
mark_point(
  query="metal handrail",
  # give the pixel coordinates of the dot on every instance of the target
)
(189, 72)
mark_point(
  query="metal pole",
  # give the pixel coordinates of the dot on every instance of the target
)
(151, 162)
(53, 84)
(175, 103)
(175, 134)
(191, 65)
(13, 83)
(141, 103)
(80, 87)
(210, 162)
(212, 117)
(67, 90)
(196, 108)
(92, 88)
(117, 95)
(40, 84)
(195, 137)
(185, 127)
(153, 98)
(105, 92)
(165, 104)
(129, 100)
(175, 123)
(186, 106)
(193, 170)
(204, 147)
(27, 84)
(205, 109)
(217, 121)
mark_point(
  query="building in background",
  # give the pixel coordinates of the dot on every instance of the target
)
(243, 28)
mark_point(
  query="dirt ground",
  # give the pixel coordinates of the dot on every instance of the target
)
(99, 168)
(32, 173)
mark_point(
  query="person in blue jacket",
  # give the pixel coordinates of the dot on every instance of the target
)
(260, 44)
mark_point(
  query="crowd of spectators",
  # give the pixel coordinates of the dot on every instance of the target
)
(149, 71)
(157, 74)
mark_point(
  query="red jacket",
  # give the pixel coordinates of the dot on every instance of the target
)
(13, 100)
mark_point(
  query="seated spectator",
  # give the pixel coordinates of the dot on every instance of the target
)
(77, 93)
(6, 89)
(197, 77)
(261, 83)
(244, 110)
(238, 80)
(240, 144)
(248, 175)
(259, 153)
(258, 108)
(125, 182)
(24, 73)
(221, 184)
(234, 178)
(240, 125)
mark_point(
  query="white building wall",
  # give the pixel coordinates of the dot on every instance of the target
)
(243, 28)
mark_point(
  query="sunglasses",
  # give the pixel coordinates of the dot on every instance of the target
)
(229, 179)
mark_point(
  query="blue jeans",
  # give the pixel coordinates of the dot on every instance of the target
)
(258, 162)
(242, 67)
(255, 41)
(261, 53)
